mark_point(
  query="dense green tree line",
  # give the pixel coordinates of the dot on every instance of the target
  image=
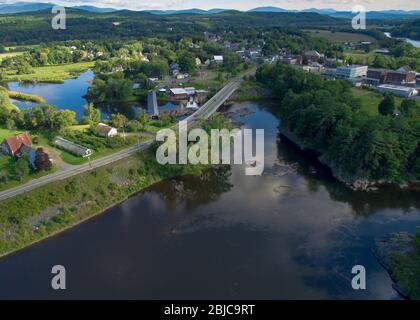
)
(44, 117)
(325, 116)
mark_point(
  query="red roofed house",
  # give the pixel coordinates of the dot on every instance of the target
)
(15, 146)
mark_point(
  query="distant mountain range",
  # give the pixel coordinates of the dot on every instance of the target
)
(21, 7)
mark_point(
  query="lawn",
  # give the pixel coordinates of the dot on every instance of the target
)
(6, 169)
(51, 73)
(5, 100)
(361, 56)
(341, 37)
(4, 133)
(371, 100)
(9, 54)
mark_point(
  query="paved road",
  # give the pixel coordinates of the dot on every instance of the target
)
(204, 112)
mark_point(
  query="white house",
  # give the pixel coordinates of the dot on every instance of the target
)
(106, 131)
(218, 59)
(399, 91)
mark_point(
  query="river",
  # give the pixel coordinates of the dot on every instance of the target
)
(292, 233)
(415, 43)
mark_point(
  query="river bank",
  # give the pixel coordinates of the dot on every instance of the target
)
(355, 183)
(399, 254)
(45, 212)
(292, 233)
(25, 97)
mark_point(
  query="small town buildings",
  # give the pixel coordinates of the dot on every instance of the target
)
(197, 62)
(401, 77)
(313, 67)
(190, 90)
(253, 53)
(329, 72)
(399, 91)
(71, 147)
(202, 73)
(313, 56)
(376, 77)
(181, 76)
(382, 51)
(105, 130)
(351, 72)
(218, 59)
(174, 69)
(15, 146)
(178, 93)
(332, 62)
(292, 59)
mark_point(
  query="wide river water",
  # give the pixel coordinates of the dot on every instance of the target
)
(292, 233)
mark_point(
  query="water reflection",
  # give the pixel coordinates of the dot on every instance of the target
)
(293, 233)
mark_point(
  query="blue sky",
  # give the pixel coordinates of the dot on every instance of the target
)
(239, 4)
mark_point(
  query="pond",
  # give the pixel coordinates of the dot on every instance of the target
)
(70, 95)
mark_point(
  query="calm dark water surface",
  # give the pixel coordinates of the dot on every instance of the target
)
(70, 95)
(293, 233)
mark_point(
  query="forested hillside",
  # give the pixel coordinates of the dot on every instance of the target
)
(409, 29)
(36, 27)
(323, 115)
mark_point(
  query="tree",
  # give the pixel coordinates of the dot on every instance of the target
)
(63, 119)
(186, 61)
(143, 118)
(10, 124)
(408, 106)
(21, 168)
(91, 115)
(42, 160)
(118, 120)
(387, 105)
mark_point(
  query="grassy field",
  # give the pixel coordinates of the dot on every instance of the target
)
(371, 100)
(9, 54)
(48, 210)
(26, 97)
(361, 57)
(341, 37)
(4, 133)
(51, 73)
(5, 100)
(44, 212)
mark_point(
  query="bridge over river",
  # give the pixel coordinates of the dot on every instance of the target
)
(204, 112)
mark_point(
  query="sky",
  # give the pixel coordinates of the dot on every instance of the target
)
(238, 4)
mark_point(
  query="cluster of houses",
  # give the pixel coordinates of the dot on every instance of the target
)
(21, 145)
(102, 130)
(403, 82)
(176, 71)
(178, 94)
